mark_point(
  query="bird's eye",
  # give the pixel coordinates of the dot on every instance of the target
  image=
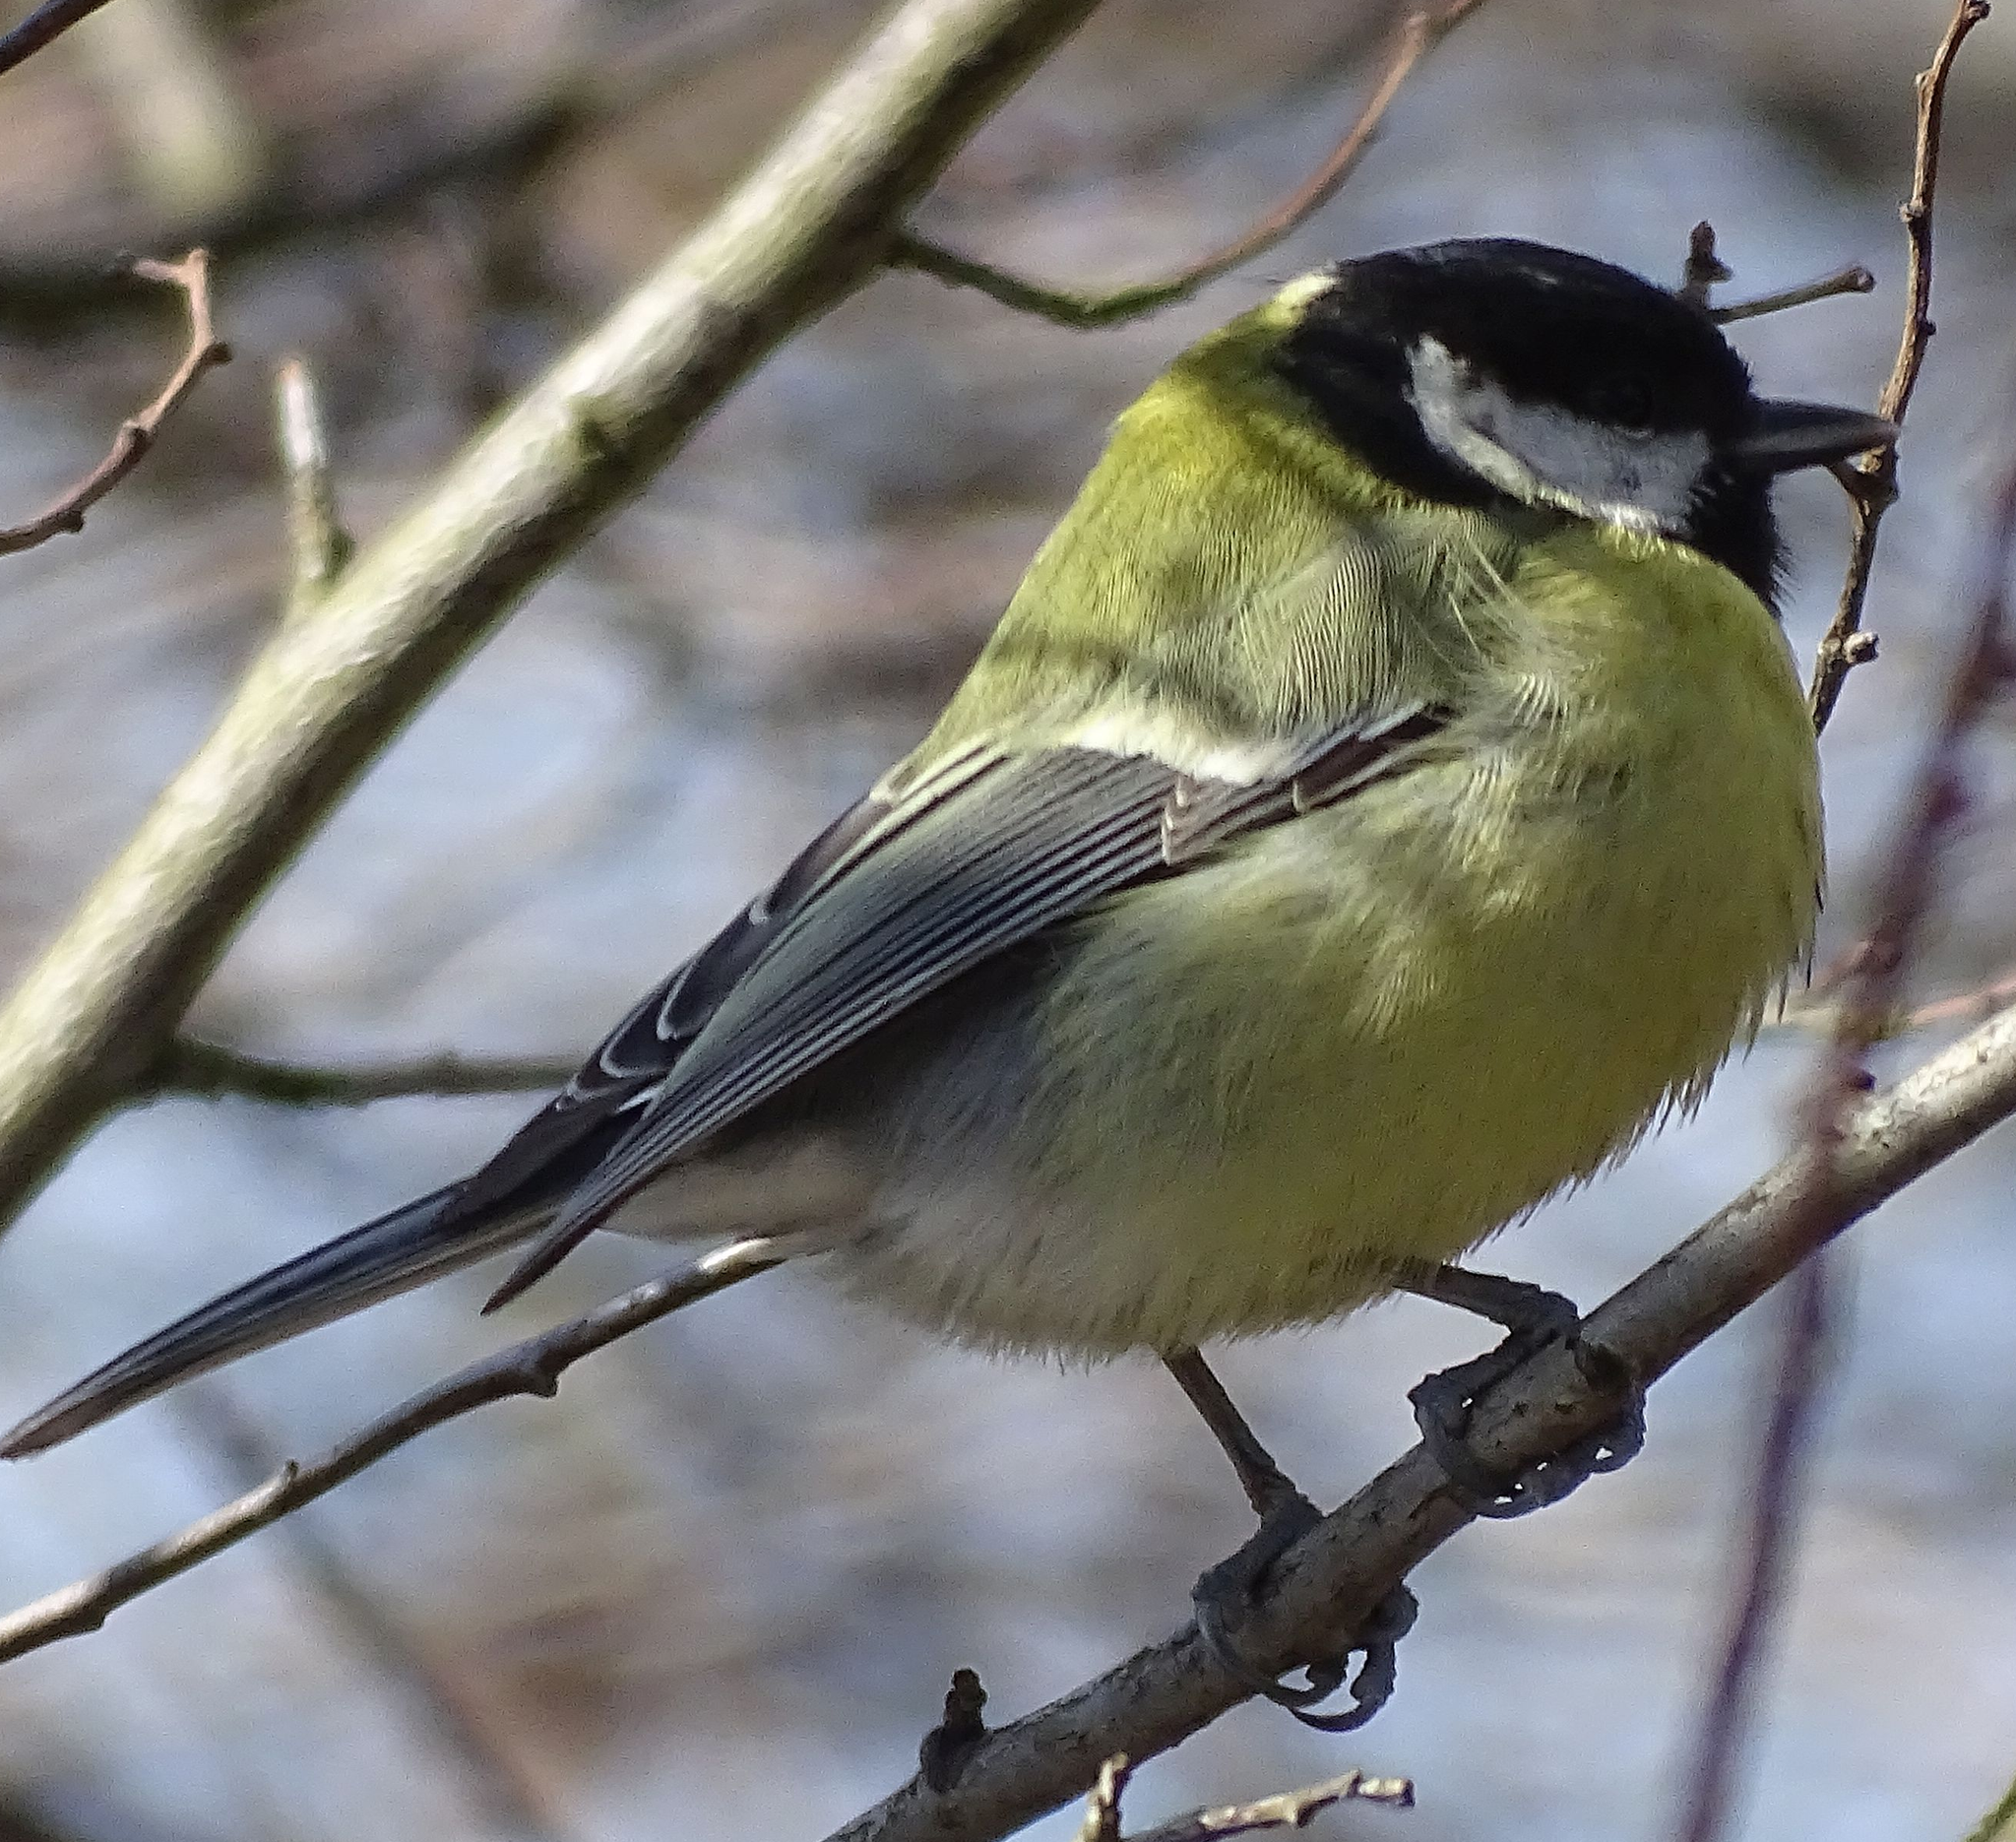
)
(1625, 403)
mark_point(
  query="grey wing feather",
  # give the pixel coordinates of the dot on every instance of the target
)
(956, 875)
(412, 1243)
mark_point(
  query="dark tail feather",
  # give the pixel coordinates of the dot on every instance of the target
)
(383, 1257)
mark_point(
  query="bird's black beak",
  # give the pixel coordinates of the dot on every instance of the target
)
(1788, 435)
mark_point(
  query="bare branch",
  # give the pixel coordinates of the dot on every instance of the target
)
(1287, 1809)
(1853, 280)
(534, 1366)
(317, 542)
(1419, 32)
(210, 1069)
(191, 274)
(49, 20)
(1103, 1807)
(1872, 481)
(1863, 1014)
(808, 226)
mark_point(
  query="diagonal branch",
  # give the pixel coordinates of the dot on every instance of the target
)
(534, 1366)
(808, 226)
(47, 22)
(190, 274)
(1419, 32)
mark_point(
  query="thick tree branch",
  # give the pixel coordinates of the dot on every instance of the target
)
(1419, 32)
(1872, 481)
(812, 221)
(191, 275)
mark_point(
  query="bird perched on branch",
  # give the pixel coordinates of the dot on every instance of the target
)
(1388, 792)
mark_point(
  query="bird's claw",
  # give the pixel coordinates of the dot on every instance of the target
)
(1231, 1586)
(1443, 1403)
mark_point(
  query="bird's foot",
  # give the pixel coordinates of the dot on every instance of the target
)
(1443, 1403)
(1224, 1593)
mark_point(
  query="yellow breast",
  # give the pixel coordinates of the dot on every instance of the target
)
(1382, 1031)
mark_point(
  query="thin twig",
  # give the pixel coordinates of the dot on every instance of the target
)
(1863, 1014)
(1872, 481)
(534, 1366)
(1820, 1012)
(191, 274)
(49, 20)
(317, 542)
(1853, 280)
(1287, 1809)
(1419, 32)
(1102, 1806)
(210, 1069)
(1866, 1008)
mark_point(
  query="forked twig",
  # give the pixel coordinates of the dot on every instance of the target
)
(190, 274)
(1872, 481)
(1286, 1809)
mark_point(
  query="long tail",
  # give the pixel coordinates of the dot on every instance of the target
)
(397, 1252)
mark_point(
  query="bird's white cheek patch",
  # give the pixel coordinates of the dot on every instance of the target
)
(1546, 455)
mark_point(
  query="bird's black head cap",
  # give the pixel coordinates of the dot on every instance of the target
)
(1593, 352)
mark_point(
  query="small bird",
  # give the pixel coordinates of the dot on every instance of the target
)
(1388, 792)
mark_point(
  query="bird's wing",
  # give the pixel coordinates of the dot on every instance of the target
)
(892, 901)
(988, 849)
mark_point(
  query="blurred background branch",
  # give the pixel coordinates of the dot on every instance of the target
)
(211, 1069)
(1421, 28)
(190, 276)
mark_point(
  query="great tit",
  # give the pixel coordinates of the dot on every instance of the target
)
(1388, 792)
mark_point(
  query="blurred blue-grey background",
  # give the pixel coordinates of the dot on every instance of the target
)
(717, 1588)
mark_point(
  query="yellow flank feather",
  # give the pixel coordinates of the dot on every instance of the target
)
(1372, 1034)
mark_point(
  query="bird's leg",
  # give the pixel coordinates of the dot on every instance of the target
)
(1532, 1317)
(1286, 1515)
(1268, 1487)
